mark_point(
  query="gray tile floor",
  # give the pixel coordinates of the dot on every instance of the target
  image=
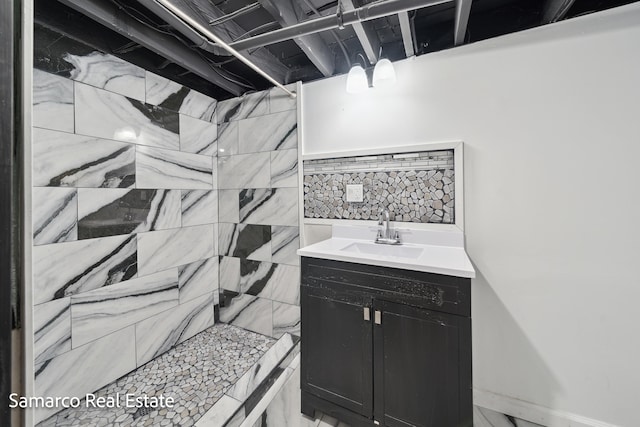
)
(195, 373)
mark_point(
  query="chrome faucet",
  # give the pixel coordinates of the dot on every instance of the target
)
(383, 220)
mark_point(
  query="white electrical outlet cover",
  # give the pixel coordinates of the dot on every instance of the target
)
(355, 193)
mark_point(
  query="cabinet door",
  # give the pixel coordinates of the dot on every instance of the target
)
(422, 367)
(337, 348)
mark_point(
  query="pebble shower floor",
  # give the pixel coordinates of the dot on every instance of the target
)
(195, 374)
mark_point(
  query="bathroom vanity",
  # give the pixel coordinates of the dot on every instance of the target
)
(386, 333)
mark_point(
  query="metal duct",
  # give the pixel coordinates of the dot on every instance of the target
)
(199, 40)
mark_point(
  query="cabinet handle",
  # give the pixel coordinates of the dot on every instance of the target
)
(378, 317)
(367, 314)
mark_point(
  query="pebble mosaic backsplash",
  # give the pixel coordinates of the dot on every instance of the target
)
(415, 187)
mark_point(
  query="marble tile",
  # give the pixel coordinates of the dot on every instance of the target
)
(257, 278)
(228, 138)
(52, 102)
(284, 168)
(286, 319)
(230, 273)
(173, 96)
(198, 278)
(199, 207)
(52, 329)
(228, 206)
(163, 331)
(285, 241)
(277, 206)
(246, 385)
(64, 269)
(245, 241)
(164, 92)
(285, 409)
(66, 160)
(244, 171)
(237, 419)
(280, 101)
(160, 250)
(198, 136)
(108, 72)
(483, 417)
(249, 105)
(93, 366)
(110, 212)
(199, 106)
(157, 168)
(268, 280)
(105, 310)
(50, 48)
(104, 114)
(55, 215)
(286, 284)
(277, 131)
(259, 401)
(221, 411)
(248, 312)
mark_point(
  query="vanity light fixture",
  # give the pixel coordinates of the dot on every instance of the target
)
(357, 81)
(384, 74)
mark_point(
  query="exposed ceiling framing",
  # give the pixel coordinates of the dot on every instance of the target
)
(291, 39)
(366, 35)
(463, 9)
(407, 33)
(289, 12)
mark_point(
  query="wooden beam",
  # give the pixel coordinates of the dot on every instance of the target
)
(463, 9)
(289, 12)
(230, 31)
(407, 33)
(366, 35)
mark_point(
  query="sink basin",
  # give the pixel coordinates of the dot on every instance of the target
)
(399, 251)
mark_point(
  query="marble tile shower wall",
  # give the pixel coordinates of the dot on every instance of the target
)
(125, 213)
(258, 230)
(415, 187)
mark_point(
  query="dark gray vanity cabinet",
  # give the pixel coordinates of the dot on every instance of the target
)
(385, 346)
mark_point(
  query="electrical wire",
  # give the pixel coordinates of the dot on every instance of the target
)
(246, 9)
(216, 67)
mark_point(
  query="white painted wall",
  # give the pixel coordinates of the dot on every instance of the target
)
(551, 123)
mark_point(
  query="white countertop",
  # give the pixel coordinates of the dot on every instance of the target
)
(440, 252)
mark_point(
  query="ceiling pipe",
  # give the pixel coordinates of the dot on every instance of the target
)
(196, 38)
(206, 32)
(362, 14)
(108, 15)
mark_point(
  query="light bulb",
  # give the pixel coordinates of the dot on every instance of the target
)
(357, 80)
(384, 74)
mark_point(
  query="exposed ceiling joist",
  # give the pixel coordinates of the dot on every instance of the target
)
(107, 14)
(407, 33)
(366, 35)
(365, 13)
(463, 9)
(228, 31)
(555, 10)
(289, 12)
